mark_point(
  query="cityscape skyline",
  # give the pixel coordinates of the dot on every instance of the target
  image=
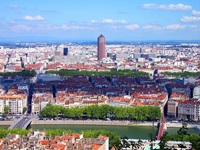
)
(85, 20)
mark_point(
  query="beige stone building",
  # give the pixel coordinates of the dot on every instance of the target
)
(16, 103)
(189, 110)
(172, 108)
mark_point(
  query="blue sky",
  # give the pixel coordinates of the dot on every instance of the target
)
(120, 20)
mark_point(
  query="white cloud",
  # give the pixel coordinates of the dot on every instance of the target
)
(66, 27)
(33, 18)
(151, 27)
(193, 26)
(132, 26)
(114, 27)
(190, 19)
(168, 7)
(175, 26)
(109, 21)
(194, 12)
(13, 6)
(20, 27)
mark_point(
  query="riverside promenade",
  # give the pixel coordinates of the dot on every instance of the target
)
(99, 122)
(179, 125)
(5, 123)
(93, 122)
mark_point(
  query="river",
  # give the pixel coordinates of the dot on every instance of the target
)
(135, 132)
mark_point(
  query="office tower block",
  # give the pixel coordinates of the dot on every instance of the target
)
(65, 51)
(101, 47)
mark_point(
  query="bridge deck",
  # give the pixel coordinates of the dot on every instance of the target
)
(22, 122)
(161, 127)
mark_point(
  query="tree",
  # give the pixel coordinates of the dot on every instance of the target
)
(152, 64)
(182, 132)
(140, 113)
(136, 145)
(6, 111)
(182, 135)
(195, 140)
(124, 143)
(126, 72)
(24, 110)
(163, 142)
(114, 139)
(152, 140)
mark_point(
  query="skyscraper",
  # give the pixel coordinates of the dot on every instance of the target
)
(65, 51)
(101, 47)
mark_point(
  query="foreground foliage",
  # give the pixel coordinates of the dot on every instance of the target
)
(138, 113)
(114, 139)
(5, 132)
(181, 135)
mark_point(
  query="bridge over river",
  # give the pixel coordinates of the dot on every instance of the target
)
(162, 127)
(22, 122)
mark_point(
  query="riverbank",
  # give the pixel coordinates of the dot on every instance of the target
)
(80, 122)
(5, 123)
(179, 125)
(93, 122)
(108, 123)
(101, 122)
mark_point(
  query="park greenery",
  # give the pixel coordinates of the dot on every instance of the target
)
(126, 72)
(138, 113)
(23, 73)
(182, 74)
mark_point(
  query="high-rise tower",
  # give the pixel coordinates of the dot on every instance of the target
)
(101, 47)
(65, 51)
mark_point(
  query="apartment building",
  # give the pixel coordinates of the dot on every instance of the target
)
(40, 100)
(172, 108)
(172, 104)
(189, 110)
(16, 103)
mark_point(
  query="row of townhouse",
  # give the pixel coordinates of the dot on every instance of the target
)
(180, 104)
(40, 100)
(80, 91)
(188, 109)
(172, 104)
(82, 99)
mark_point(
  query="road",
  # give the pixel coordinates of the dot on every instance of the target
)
(31, 88)
(22, 122)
